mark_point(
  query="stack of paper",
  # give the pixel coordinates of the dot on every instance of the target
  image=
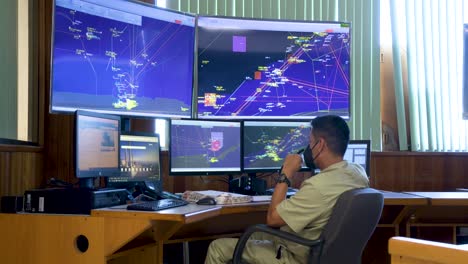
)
(220, 197)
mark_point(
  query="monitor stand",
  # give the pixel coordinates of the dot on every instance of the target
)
(86, 183)
(248, 185)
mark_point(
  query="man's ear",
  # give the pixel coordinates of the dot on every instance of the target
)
(322, 144)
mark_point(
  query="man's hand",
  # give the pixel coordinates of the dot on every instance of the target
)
(292, 163)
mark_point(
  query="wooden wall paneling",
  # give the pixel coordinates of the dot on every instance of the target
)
(428, 172)
(415, 171)
(59, 148)
(58, 128)
(168, 182)
(143, 125)
(5, 178)
(389, 172)
(20, 170)
(42, 17)
(25, 171)
(456, 172)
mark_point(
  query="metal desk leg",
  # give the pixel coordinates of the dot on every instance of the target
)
(186, 253)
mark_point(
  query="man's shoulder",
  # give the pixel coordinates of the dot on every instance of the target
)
(340, 172)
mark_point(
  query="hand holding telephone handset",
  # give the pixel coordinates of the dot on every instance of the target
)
(306, 159)
(292, 163)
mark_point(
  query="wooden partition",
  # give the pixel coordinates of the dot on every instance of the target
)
(416, 251)
(419, 171)
(20, 169)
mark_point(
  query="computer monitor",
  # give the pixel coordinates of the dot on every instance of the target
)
(96, 146)
(122, 57)
(205, 147)
(266, 143)
(272, 69)
(358, 151)
(140, 163)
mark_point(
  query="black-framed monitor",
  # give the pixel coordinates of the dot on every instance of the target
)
(140, 162)
(359, 151)
(96, 146)
(205, 147)
(272, 69)
(122, 57)
(267, 143)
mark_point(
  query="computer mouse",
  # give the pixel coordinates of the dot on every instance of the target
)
(207, 201)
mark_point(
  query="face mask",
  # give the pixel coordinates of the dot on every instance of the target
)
(308, 157)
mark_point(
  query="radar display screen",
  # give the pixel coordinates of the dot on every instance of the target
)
(270, 69)
(122, 57)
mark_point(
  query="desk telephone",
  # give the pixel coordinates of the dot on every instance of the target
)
(153, 193)
(152, 200)
(161, 195)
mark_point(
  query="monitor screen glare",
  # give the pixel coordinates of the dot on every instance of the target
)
(266, 143)
(205, 147)
(269, 69)
(97, 145)
(358, 151)
(139, 158)
(122, 57)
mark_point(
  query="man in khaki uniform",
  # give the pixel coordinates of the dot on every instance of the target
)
(307, 212)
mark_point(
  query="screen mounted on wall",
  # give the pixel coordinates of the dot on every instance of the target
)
(262, 69)
(121, 57)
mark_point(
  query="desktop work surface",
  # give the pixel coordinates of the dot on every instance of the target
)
(125, 236)
(107, 234)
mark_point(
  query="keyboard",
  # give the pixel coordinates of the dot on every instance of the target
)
(157, 205)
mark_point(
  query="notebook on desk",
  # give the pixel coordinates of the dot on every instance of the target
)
(220, 197)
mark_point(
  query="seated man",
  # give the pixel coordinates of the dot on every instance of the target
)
(307, 212)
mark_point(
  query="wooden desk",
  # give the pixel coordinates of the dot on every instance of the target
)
(114, 235)
(398, 207)
(446, 210)
(119, 236)
(444, 198)
(416, 251)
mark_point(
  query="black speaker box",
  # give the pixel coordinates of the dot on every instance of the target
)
(11, 204)
(248, 186)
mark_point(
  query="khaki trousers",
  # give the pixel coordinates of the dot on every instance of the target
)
(259, 250)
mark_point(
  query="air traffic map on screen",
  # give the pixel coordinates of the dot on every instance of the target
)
(260, 69)
(205, 146)
(122, 57)
(267, 143)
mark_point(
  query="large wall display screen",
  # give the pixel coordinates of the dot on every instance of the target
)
(122, 57)
(262, 69)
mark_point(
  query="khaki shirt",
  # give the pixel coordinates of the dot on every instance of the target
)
(307, 212)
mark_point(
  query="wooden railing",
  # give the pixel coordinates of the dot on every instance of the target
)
(416, 251)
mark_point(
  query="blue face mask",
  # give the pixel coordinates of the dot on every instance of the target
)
(309, 158)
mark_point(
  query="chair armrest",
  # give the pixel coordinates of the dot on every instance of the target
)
(237, 256)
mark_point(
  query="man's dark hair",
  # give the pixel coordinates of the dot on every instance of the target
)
(334, 130)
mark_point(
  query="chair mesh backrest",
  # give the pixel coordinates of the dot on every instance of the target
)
(352, 222)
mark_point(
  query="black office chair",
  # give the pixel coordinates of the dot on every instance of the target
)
(351, 224)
